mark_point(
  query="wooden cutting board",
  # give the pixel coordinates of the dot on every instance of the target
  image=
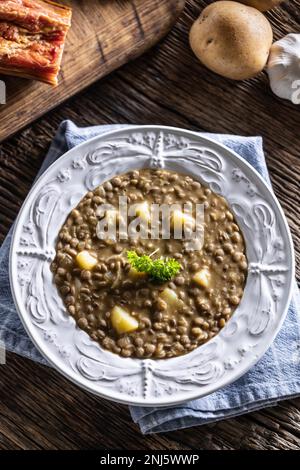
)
(104, 35)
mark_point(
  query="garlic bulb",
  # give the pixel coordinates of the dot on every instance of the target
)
(284, 68)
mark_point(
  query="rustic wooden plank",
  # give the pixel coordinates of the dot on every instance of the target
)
(165, 86)
(43, 410)
(104, 35)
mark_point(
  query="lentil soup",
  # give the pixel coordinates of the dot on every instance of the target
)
(125, 309)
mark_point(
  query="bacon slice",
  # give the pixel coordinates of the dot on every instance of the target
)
(32, 38)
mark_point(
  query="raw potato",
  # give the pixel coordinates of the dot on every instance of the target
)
(122, 322)
(262, 5)
(232, 40)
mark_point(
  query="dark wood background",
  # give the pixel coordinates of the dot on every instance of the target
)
(39, 408)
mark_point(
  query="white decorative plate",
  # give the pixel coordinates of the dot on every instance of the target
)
(223, 359)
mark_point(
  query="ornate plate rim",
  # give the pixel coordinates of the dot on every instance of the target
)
(166, 399)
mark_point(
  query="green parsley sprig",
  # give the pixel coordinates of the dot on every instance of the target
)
(159, 270)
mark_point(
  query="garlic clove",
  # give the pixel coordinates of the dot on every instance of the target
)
(284, 68)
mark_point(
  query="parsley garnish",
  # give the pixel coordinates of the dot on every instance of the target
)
(159, 270)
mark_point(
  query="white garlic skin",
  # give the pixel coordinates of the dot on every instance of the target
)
(284, 68)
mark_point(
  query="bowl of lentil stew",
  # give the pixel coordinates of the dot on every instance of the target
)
(170, 318)
(221, 321)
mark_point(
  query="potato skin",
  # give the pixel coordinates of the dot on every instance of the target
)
(262, 5)
(232, 40)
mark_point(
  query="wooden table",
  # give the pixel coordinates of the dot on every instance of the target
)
(38, 407)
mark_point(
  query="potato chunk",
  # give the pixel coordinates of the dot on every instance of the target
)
(85, 260)
(136, 275)
(181, 219)
(202, 277)
(143, 211)
(170, 297)
(122, 321)
(111, 216)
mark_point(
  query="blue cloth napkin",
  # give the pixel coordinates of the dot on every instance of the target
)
(275, 377)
